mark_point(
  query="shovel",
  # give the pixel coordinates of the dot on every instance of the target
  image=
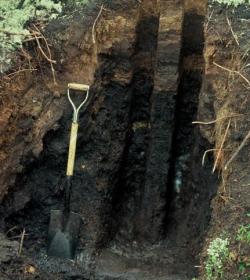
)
(64, 224)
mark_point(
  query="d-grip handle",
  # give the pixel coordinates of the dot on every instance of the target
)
(77, 86)
(72, 149)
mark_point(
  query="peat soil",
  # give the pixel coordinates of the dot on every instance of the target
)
(115, 189)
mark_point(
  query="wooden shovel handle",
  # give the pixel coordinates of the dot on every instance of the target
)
(76, 86)
(72, 149)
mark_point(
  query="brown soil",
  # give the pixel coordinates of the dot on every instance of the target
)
(225, 98)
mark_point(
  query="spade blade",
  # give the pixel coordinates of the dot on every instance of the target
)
(63, 234)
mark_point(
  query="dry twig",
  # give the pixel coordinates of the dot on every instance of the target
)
(43, 53)
(231, 29)
(238, 150)
(49, 59)
(214, 121)
(11, 229)
(208, 21)
(15, 33)
(94, 25)
(21, 70)
(18, 236)
(32, 38)
(221, 146)
(233, 71)
(205, 153)
(225, 198)
(21, 243)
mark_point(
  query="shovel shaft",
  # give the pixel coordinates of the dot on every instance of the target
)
(72, 149)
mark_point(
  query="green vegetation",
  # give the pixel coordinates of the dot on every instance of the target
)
(81, 2)
(243, 237)
(243, 234)
(217, 255)
(15, 16)
(234, 3)
(223, 255)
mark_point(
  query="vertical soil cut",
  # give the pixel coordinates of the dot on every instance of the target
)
(138, 183)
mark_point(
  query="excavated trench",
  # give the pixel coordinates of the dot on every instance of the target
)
(138, 183)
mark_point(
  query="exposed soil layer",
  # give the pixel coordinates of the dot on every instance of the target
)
(225, 99)
(138, 184)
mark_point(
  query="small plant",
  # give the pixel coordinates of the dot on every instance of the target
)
(243, 234)
(243, 266)
(217, 255)
(234, 3)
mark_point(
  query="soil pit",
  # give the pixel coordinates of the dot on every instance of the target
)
(138, 182)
